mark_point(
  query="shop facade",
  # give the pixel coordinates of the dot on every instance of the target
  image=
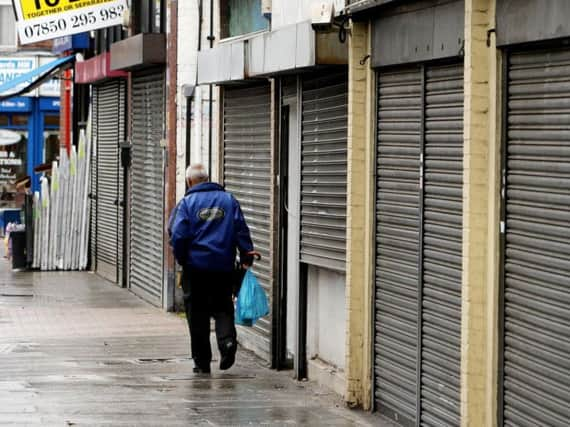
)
(534, 370)
(34, 117)
(283, 153)
(108, 132)
(467, 143)
(143, 56)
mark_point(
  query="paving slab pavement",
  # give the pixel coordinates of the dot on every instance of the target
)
(77, 350)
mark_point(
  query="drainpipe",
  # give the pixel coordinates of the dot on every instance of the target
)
(198, 99)
(211, 38)
(200, 17)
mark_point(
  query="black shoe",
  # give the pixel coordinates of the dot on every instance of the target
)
(198, 370)
(228, 356)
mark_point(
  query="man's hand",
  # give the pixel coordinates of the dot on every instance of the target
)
(246, 259)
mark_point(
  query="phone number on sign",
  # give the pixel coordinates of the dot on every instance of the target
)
(75, 21)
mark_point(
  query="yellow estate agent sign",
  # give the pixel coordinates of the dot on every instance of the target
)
(47, 19)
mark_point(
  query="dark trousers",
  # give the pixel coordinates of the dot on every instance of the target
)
(208, 294)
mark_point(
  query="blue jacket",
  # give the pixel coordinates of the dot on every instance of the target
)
(206, 228)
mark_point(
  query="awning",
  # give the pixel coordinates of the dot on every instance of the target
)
(34, 78)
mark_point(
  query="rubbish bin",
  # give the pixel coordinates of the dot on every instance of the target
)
(18, 249)
(7, 216)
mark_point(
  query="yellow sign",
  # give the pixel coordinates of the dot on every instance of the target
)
(37, 8)
(48, 19)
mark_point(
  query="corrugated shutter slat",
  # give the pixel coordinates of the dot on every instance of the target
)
(147, 187)
(94, 178)
(442, 240)
(110, 108)
(247, 175)
(537, 254)
(397, 250)
(419, 232)
(323, 170)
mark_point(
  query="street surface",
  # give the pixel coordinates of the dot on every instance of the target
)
(76, 350)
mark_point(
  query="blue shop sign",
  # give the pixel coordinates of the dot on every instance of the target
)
(49, 104)
(18, 104)
(74, 42)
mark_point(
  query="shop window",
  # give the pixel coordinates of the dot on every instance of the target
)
(149, 16)
(7, 26)
(12, 165)
(4, 120)
(51, 121)
(239, 17)
(51, 146)
(20, 120)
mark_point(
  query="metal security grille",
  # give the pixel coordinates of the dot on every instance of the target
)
(536, 369)
(110, 132)
(442, 246)
(418, 253)
(93, 183)
(147, 187)
(323, 170)
(247, 174)
(398, 243)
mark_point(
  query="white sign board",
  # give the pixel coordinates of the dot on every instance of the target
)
(9, 137)
(51, 87)
(12, 67)
(40, 20)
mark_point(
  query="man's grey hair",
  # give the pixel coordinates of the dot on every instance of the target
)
(197, 173)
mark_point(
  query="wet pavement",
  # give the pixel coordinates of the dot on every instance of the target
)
(76, 350)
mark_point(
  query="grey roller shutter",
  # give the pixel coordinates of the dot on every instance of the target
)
(536, 377)
(397, 239)
(323, 170)
(93, 183)
(419, 244)
(442, 246)
(110, 132)
(247, 175)
(147, 187)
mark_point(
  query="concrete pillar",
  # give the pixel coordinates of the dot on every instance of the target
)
(360, 222)
(480, 219)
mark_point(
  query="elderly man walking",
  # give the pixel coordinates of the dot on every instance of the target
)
(207, 229)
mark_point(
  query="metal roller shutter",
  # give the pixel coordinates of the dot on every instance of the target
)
(247, 174)
(93, 183)
(323, 170)
(536, 376)
(110, 108)
(147, 187)
(419, 244)
(442, 246)
(121, 123)
(397, 240)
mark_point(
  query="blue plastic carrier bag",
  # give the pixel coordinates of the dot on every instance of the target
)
(251, 302)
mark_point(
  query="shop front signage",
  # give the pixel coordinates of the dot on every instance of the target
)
(11, 163)
(40, 20)
(74, 42)
(50, 104)
(12, 67)
(96, 69)
(51, 87)
(16, 105)
(9, 137)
